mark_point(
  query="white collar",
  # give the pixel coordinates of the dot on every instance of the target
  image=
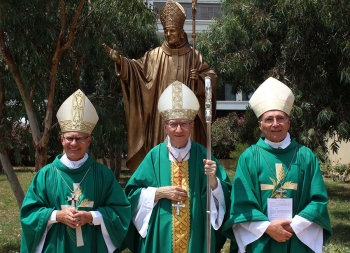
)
(73, 164)
(179, 151)
(283, 144)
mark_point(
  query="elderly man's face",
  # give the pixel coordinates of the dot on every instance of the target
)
(179, 130)
(275, 125)
(173, 35)
(75, 144)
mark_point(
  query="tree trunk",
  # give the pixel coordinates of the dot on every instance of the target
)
(40, 157)
(12, 178)
(118, 163)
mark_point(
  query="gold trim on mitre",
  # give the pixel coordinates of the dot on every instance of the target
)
(77, 114)
(272, 95)
(178, 102)
(172, 14)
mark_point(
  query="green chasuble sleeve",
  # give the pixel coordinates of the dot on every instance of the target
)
(155, 171)
(49, 191)
(249, 201)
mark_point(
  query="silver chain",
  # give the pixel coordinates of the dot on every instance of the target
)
(66, 182)
(284, 179)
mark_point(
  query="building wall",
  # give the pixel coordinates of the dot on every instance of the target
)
(343, 155)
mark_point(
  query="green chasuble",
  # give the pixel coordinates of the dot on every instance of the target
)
(154, 171)
(255, 181)
(99, 191)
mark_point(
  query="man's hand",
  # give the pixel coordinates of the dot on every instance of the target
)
(73, 218)
(277, 231)
(66, 216)
(174, 193)
(112, 53)
(82, 217)
(210, 170)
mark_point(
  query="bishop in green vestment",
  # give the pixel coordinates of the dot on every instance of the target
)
(74, 204)
(275, 171)
(168, 190)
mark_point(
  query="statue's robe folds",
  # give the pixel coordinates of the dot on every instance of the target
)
(48, 192)
(249, 202)
(144, 80)
(155, 171)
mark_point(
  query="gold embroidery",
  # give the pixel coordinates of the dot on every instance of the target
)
(181, 222)
(177, 111)
(76, 121)
(280, 176)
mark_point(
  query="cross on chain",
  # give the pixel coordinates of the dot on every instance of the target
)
(74, 199)
(281, 192)
(178, 205)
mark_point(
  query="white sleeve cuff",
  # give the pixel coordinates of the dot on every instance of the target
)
(217, 206)
(248, 232)
(97, 219)
(308, 233)
(144, 210)
(52, 218)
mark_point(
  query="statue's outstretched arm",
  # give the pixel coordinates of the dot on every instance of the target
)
(112, 53)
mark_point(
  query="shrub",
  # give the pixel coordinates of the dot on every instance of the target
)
(222, 138)
(226, 131)
(240, 147)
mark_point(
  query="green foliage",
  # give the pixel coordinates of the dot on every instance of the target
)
(338, 172)
(240, 147)
(304, 44)
(33, 29)
(231, 130)
(222, 138)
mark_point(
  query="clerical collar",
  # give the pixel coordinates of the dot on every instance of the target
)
(179, 151)
(283, 144)
(73, 164)
(183, 49)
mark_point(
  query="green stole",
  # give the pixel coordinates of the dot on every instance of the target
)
(155, 171)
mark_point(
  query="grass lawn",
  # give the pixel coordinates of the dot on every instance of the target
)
(10, 230)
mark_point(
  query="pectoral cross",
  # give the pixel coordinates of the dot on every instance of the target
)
(178, 205)
(74, 198)
(281, 192)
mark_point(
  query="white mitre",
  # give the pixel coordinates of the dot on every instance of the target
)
(178, 102)
(77, 114)
(272, 95)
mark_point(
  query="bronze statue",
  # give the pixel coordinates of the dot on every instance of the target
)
(143, 81)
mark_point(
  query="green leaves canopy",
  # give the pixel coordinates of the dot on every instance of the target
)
(303, 43)
(35, 29)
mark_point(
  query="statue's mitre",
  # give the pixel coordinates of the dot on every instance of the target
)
(77, 114)
(178, 102)
(272, 95)
(172, 14)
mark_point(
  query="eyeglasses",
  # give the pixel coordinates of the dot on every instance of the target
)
(77, 139)
(183, 125)
(271, 120)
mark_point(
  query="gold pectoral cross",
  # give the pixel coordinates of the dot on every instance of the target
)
(280, 177)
